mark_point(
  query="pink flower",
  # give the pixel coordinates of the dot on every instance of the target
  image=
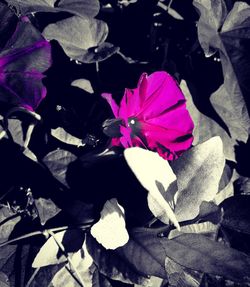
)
(152, 116)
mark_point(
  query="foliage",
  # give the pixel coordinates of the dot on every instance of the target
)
(90, 196)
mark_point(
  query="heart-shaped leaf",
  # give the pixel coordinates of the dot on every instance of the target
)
(228, 33)
(198, 174)
(88, 32)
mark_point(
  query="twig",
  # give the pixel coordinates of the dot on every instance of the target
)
(44, 232)
(51, 233)
(21, 237)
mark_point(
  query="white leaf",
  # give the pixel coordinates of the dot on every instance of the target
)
(49, 252)
(110, 230)
(83, 84)
(152, 170)
(174, 14)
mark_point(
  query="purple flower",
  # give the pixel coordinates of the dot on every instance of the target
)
(23, 59)
(152, 116)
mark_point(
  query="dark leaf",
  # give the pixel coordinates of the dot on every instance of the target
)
(229, 33)
(112, 265)
(236, 213)
(57, 162)
(88, 33)
(23, 59)
(148, 253)
(46, 209)
(179, 276)
(198, 174)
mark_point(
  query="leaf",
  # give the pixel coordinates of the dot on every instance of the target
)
(149, 253)
(243, 184)
(83, 84)
(111, 265)
(80, 7)
(203, 228)
(77, 7)
(46, 209)
(63, 136)
(229, 34)
(236, 213)
(99, 53)
(8, 221)
(180, 277)
(88, 32)
(205, 127)
(174, 14)
(156, 176)
(16, 130)
(198, 174)
(225, 193)
(50, 253)
(23, 59)
(57, 162)
(110, 231)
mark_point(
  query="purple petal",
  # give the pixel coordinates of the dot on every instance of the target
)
(162, 93)
(112, 103)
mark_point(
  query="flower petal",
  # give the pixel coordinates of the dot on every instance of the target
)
(112, 103)
(169, 143)
(162, 93)
(175, 118)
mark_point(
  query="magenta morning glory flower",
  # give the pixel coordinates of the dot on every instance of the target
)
(24, 56)
(153, 116)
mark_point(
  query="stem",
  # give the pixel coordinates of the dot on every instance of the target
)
(32, 277)
(39, 232)
(20, 238)
(68, 258)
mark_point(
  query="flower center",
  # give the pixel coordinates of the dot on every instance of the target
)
(135, 126)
